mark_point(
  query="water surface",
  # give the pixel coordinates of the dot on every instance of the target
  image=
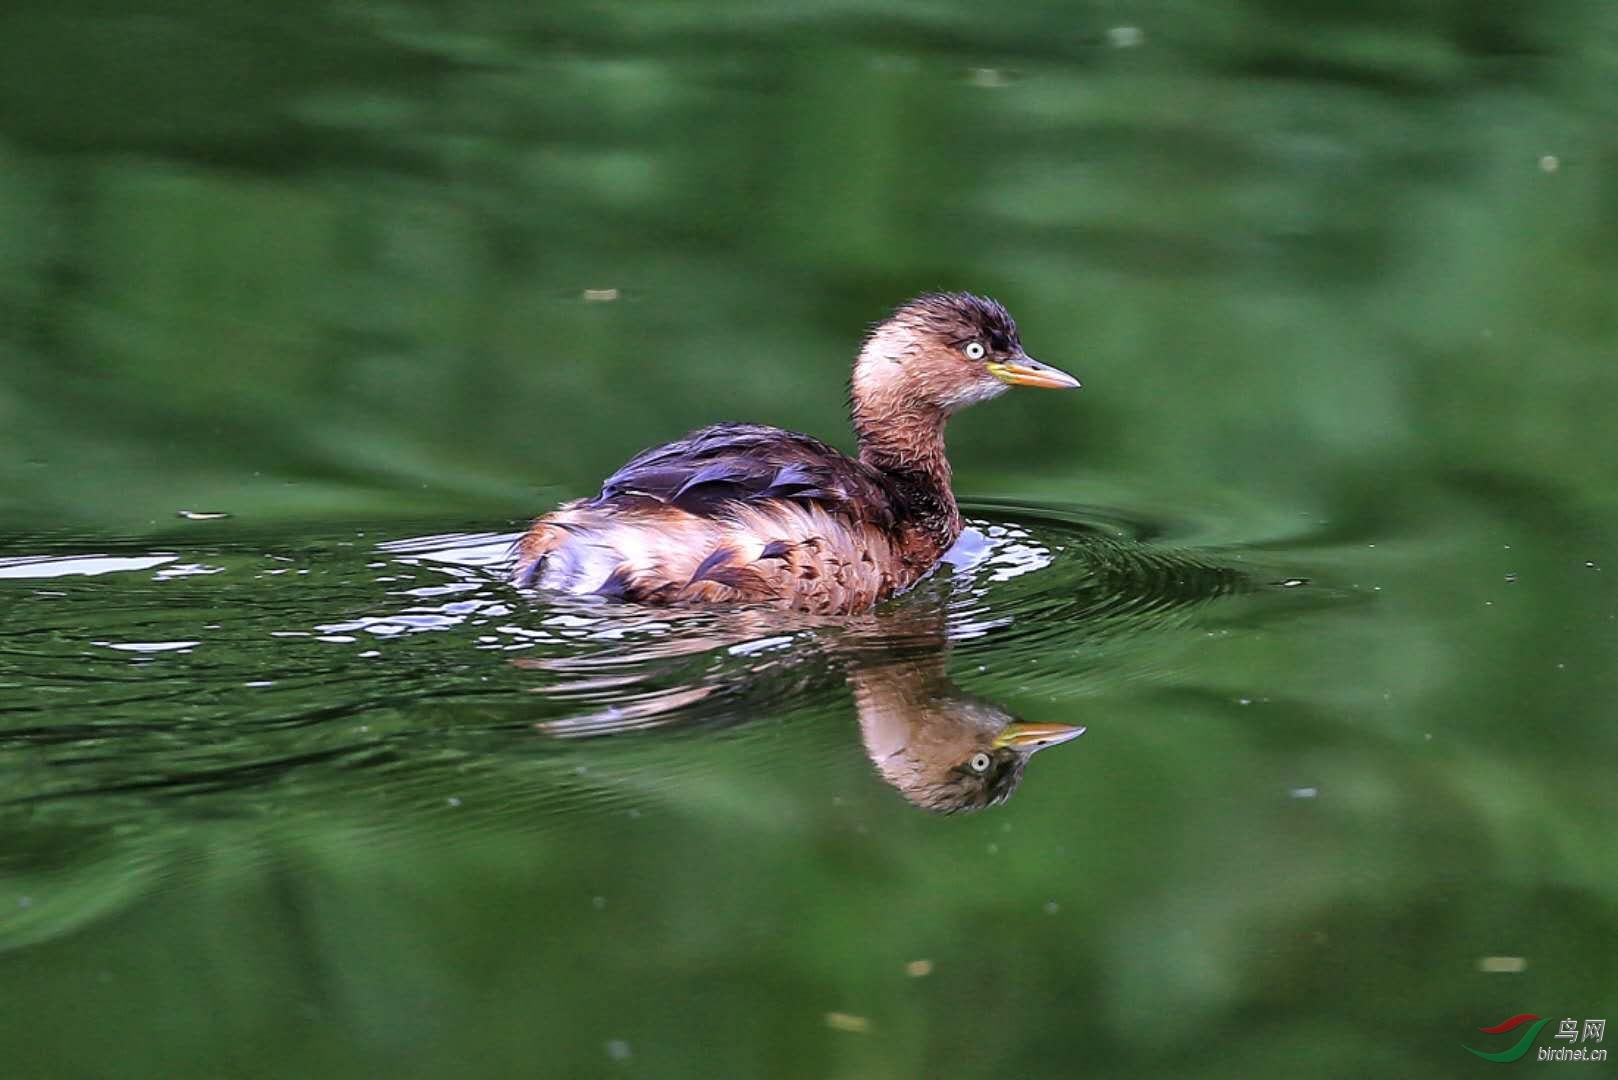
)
(304, 311)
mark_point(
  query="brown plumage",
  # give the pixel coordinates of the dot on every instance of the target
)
(747, 513)
(943, 749)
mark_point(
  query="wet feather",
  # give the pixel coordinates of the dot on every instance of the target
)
(745, 512)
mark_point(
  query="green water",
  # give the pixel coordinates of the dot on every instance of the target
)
(1324, 555)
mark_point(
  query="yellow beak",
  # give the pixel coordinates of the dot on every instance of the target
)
(1024, 370)
(1031, 737)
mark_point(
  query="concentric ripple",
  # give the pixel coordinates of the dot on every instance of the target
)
(1094, 577)
(250, 675)
(234, 661)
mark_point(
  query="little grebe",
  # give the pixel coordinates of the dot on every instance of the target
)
(743, 512)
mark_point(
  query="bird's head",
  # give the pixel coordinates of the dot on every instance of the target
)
(941, 352)
(944, 750)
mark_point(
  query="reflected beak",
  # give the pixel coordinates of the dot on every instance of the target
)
(1024, 370)
(1030, 737)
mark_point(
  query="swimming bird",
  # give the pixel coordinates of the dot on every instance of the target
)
(747, 513)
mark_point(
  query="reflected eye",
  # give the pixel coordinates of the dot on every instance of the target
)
(980, 761)
(975, 351)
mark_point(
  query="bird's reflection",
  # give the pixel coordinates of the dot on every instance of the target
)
(943, 749)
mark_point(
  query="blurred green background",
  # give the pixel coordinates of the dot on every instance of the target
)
(1339, 278)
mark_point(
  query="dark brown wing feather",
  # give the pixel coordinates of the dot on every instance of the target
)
(735, 513)
(729, 464)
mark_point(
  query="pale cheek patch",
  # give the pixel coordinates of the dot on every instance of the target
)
(977, 391)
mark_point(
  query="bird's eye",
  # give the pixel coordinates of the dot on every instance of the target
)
(975, 351)
(980, 761)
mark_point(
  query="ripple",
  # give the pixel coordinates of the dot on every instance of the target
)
(255, 659)
(54, 566)
(251, 676)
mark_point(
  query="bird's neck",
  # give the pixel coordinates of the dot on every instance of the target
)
(906, 445)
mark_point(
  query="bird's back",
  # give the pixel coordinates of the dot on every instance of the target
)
(732, 513)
